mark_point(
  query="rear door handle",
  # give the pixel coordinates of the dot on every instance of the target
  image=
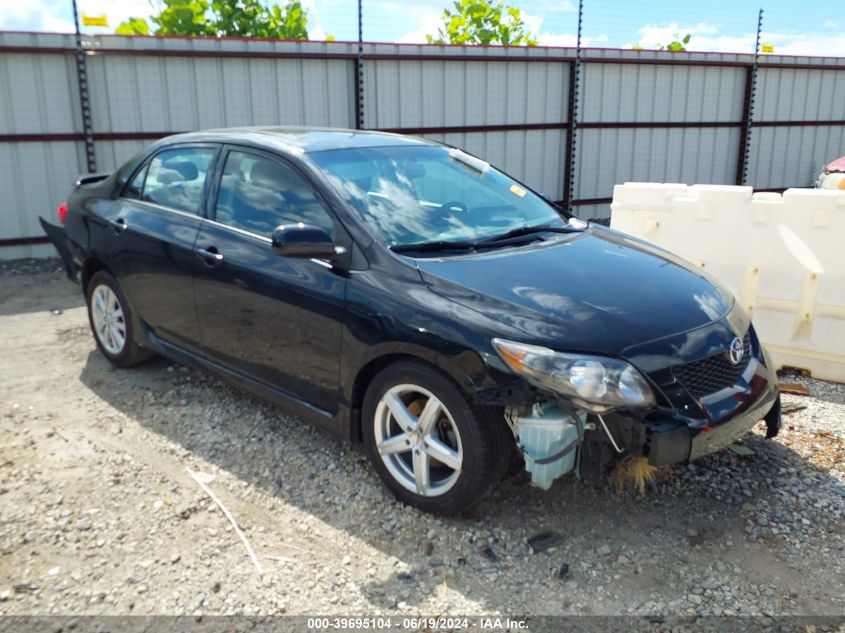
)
(118, 226)
(211, 256)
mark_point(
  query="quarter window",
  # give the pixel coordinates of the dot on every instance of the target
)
(174, 178)
(258, 194)
(134, 189)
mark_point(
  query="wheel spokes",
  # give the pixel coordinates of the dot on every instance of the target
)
(118, 337)
(422, 472)
(429, 415)
(443, 453)
(397, 444)
(100, 302)
(411, 419)
(404, 418)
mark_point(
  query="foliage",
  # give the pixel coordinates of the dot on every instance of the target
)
(482, 22)
(215, 18)
(133, 26)
(677, 45)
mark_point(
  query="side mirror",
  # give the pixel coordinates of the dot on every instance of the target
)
(304, 241)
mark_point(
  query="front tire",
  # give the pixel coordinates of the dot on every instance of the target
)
(433, 449)
(111, 322)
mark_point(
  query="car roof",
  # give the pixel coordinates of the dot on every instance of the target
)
(298, 140)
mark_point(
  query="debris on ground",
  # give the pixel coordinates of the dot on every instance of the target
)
(636, 472)
(794, 389)
(543, 541)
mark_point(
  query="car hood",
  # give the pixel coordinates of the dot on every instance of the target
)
(596, 291)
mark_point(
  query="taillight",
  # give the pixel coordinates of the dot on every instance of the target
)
(63, 212)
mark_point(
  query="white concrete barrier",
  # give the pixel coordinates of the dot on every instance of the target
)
(783, 255)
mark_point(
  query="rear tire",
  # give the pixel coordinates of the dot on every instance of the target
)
(433, 449)
(112, 323)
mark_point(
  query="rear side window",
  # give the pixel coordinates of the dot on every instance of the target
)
(173, 178)
(258, 194)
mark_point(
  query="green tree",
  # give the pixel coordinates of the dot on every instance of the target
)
(679, 44)
(133, 26)
(482, 22)
(215, 18)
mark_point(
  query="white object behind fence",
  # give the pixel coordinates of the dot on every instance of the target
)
(783, 256)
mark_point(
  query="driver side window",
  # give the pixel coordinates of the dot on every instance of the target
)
(257, 194)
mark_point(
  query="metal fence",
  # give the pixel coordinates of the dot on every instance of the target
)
(641, 115)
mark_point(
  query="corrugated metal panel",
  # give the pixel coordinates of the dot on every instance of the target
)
(35, 178)
(151, 94)
(470, 52)
(792, 156)
(32, 250)
(113, 154)
(616, 92)
(689, 155)
(593, 211)
(785, 94)
(534, 157)
(38, 94)
(412, 93)
(173, 84)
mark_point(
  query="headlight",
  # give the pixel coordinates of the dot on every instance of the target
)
(594, 382)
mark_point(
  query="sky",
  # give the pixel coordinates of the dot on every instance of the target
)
(811, 27)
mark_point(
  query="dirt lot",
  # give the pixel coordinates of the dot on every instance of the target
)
(98, 514)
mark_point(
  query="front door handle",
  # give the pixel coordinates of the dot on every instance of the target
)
(118, 226)
(210, 256)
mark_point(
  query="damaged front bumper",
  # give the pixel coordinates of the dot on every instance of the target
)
(669, 433)
(556, 440)
(681, 443)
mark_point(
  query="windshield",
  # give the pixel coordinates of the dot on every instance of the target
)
(423, 194)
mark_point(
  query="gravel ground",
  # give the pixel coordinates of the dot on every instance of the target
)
(99, 516)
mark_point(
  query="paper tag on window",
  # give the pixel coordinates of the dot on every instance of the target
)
(518, 190)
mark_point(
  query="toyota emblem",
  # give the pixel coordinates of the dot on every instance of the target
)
(736, 350)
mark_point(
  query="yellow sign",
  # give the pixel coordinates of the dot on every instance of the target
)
(95, 20)
(768, 48)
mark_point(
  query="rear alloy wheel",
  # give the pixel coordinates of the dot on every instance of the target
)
(430, 446)
(108, 319)
(111, 322)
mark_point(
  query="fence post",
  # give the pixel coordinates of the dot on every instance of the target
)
(748, 110)
(84, 98)
(572, 117)
(359, 72)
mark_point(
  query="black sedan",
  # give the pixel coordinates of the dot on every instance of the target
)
(415, 300)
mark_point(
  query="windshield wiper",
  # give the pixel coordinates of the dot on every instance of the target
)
(428, 247)
(488, 242)
(530, 230)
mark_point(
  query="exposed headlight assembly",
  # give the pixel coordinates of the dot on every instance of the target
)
(594, 382)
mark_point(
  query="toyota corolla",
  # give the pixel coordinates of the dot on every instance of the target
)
(419, 302)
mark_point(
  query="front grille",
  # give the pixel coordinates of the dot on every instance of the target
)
(711, 374)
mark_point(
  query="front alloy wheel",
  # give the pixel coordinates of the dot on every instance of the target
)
(418, 440)
(430, 445)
